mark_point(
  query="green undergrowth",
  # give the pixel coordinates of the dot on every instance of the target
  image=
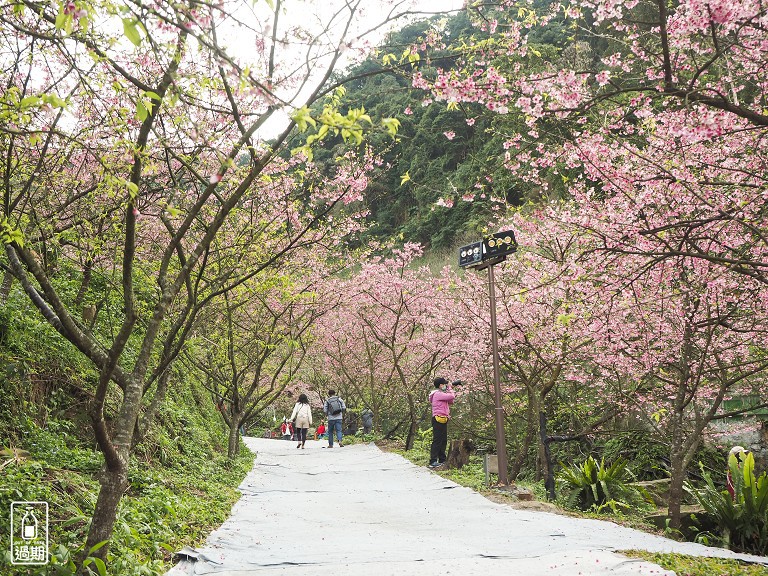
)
(181, 487)
(683, 565)
(472, 475)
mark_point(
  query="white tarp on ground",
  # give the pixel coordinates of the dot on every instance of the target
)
(358, 510)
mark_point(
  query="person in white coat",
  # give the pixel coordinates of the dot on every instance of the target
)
(302, 416)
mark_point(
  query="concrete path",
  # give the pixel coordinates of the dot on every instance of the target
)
(358, 510)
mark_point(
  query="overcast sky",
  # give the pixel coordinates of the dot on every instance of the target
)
(315, 13)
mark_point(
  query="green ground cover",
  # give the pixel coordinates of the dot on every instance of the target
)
(182, 486)
(684, 565)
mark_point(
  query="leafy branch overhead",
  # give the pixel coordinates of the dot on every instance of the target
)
(351, 126)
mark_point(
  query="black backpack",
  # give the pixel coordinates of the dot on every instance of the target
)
(334, 405)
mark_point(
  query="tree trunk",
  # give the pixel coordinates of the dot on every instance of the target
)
(525, 445)
(458, 454)
(113, 483)
(409, 440)
(677, 460)
(117, 453)
(233, 445)
(677, 468)
(84, 284)
(5, 288)
(549, 472)
(677, 464)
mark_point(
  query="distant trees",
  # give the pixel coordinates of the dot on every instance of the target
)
(390, 331)
(250, 346)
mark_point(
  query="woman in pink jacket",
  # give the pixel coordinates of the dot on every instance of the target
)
(441, 399)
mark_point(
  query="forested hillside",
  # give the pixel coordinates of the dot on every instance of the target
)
(447, 176)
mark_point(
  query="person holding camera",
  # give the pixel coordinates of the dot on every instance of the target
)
(441, 399)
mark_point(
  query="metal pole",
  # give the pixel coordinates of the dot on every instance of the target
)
(501, 442)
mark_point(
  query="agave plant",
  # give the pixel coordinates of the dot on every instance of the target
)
(593, 486)
(742, 519)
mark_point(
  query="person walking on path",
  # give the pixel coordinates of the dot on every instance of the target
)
(367, 417)
(441, 399)
(302, 415)
(334, 408)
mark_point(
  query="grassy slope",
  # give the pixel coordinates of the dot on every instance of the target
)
(181, 487)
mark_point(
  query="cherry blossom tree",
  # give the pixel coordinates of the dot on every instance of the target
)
(393, 328)
(131, 141)
(651, 124)
(687, 339)
(662, 107)
(544, 346)
(250, 345)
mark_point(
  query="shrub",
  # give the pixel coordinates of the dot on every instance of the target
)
(742, 520)
(649, 456)
(646, 456)
(593, 486)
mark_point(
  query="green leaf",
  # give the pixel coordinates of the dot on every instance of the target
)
(303, 117)
(61, 20)
(306, 150)
(9, 234)
(133, 189)
(30, 101)
(405, 178)
(97, 546)
(54, 100)
(152, 95)
(73, 521)
(391, 125)
(141, 111)
(131, 31)
(100, 566)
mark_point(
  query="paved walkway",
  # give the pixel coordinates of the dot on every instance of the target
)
(358, 510)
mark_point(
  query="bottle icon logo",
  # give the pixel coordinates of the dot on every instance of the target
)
(29, 525)
(29, 533)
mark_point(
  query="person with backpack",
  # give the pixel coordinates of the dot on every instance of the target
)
(441, 399)
(334, 408)
(302, 416)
